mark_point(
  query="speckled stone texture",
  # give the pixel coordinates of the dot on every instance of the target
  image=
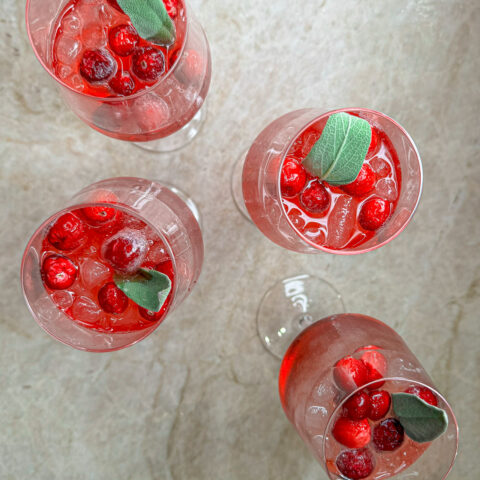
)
(198, 399)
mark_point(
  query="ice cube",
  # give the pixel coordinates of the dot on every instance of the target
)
(71, 24)
(67, 50)
(296, 217)
(93, 273)
(151, 112)
(64, 71)
(126, 250)
(315, 233)
(86, 310)
(158, 253)
(380, 166)
(77, 82)
(341, 222)
(387, 189)
(63, 298)
(94, 36)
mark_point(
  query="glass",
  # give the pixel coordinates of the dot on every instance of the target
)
(312, 400)
(164, 117)
(170, 217)
(256, 180)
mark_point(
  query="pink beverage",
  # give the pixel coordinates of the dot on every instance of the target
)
(80, 265)
(296, 210)
(120, 84)
(339, 385)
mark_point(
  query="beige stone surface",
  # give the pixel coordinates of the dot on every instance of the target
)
(198, 399)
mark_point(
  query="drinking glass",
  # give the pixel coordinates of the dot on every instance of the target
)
(255, 185)
(173, 219)
(313, 401)
(161, 118)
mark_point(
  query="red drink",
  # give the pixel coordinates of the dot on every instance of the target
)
(338, 226)
(301, 213)
(80, 263)
(336, 384)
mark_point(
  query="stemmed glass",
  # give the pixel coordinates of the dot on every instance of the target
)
(313, 400)
(173, 219)
(161, 118)
(256, 190)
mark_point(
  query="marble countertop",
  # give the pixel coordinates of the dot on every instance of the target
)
(198, 399)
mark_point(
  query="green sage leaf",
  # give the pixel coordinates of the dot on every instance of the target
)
(421, 421)
(150, 289)
(151, 20)
(337, 157)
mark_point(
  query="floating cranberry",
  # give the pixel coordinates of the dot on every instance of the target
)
(59, 272)
(123, 39)
(352, 433)
(388, 435)
(363, 184)
(315, 198)
(122, 83)
(148, 64)
(350, 373)
(112, 299)
(67, 233)
(97, 65)
(357, 406)
(424, 393)
(380, 401)
(374, 213)
(355, 464)
(292, 178)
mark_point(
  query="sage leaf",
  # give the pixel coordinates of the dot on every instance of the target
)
(337, 157)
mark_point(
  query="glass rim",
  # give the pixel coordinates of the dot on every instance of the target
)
(406, 222)
(125, 208)
(338, 408)
(138, 94)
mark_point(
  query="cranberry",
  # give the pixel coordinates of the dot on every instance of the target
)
(172, 7)
(355, 464)
(379, 404)
(357, 406)
(388, 435)
(97, 65)
(148, 64)
(350, 373)
(125, 251)
(123, 39)
(364, 182)
(58, 272)
(376, 365)
(98, 215)
(315, 198)
(424, 393)
(373, 143)
(374, 213)
(352, 433)
(67, 233)
(292, 178)
(112, 299)
(122, 83)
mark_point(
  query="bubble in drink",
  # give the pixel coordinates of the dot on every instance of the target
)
(93, 273)
(341, 222)
(387, 189)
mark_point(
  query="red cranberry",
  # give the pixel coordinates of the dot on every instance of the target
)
(67, 233)
(98, 215)
(58, 272)
(315, 198)
(363, 184)
(379, 404)
(123, 39)
(424, 393)
(122, 83)
(374, 213)
(292, 178)
(388, 435)
(373, 143)
(352, 433)
(357, 406)
(112, 299)
(376, 365)
(355, 464)
(172, 7)
(97, 65)
(125, 251)
(350, 373)
(148, 64)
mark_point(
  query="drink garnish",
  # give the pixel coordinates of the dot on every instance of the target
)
(149, 289)
(337, 157)
(151, 20)
(421, 421)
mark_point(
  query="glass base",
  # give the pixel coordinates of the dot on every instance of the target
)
(290, 306)
(179, 139)
(236, 186)
(187, 199)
